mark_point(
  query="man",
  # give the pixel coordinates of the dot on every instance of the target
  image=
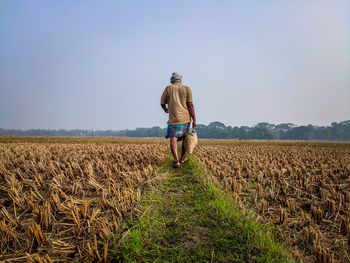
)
(178, 97)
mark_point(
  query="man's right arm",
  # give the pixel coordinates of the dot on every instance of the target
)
(192, 114)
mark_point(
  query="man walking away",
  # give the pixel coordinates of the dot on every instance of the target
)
(178, 97)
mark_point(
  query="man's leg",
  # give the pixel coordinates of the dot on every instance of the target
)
(173, 147)
(183, 151)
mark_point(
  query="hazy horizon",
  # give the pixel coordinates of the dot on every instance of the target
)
(162, 127)
(104, 65)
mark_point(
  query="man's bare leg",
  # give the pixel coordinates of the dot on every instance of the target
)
(183, 152)
(173, 147)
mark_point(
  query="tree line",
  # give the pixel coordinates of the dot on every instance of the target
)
(217, 130)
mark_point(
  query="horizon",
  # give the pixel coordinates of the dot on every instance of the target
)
(104, 65)
(164, 127)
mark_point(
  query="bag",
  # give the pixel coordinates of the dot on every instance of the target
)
(191, 140)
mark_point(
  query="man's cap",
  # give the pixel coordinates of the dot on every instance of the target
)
(175, 77)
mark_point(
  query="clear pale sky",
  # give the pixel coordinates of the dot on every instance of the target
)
(104, 64)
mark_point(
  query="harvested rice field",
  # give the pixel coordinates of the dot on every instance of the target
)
(72, 200)
(62, 202)
(302, 188)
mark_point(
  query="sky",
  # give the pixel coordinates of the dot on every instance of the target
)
(104, 64)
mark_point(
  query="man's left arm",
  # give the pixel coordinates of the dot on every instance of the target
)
(164, 108)
(164, 100)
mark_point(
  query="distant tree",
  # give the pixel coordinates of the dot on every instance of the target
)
(300, 133)
(261, 131)
(236, 132)
(216, 129)
(155, 132)
(216, 125)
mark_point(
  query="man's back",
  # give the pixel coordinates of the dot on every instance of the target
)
(180, 108)
(176, 96)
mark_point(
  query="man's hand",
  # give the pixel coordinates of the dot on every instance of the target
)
(164, 108)
(194, 125)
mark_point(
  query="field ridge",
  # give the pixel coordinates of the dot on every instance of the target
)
(183, 217)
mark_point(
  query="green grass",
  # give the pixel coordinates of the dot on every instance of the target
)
(185, 218)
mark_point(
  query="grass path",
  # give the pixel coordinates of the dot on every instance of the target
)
(185, 218)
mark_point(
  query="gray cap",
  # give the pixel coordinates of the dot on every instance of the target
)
(175, 77)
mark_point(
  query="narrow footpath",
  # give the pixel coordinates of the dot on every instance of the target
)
(183, 217)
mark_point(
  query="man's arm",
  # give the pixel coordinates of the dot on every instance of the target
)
(164, 108)
(164, 100)
(193, 115)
